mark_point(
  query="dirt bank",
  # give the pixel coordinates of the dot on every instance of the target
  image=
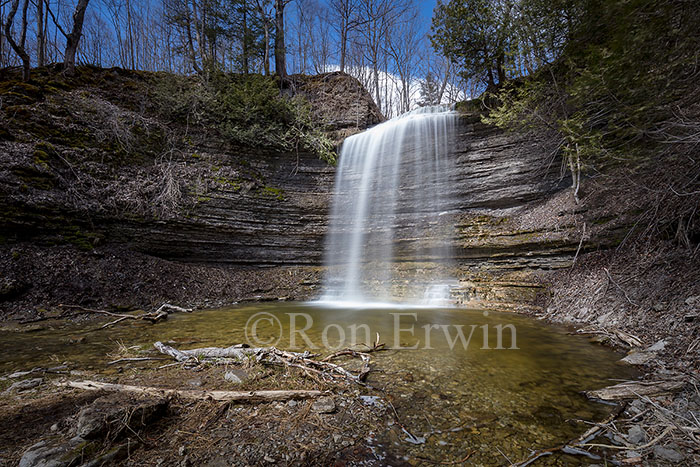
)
(36, 279)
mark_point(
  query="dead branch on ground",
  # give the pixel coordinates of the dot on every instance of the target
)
(153, 317)
(241, 396)
(636, 389)
(273, 356)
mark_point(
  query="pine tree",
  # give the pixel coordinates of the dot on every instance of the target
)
(429, 91)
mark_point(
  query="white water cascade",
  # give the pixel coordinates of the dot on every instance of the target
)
(391, 225)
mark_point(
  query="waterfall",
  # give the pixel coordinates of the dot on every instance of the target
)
(391, 225)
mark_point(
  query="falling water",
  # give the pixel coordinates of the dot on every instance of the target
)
(391, 221)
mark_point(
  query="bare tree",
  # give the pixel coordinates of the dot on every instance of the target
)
(40, 34)
(73, 39)
(304, 31)
(19, 46)
(321, 47)
(280, 49)
(380, 16)
(404, 47)
(346, 19)
(263, 8)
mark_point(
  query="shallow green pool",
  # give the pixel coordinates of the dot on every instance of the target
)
(460, 380)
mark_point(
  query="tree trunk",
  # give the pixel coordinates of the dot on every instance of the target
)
(444, 82)
(19, 47)
(246, 65)
(500, 69)
(280, 50)
(40, 37)
(491, 86)
(190, 44)
(575, 167)
(377, 90)
(266, 59)
(130, 33)
(73, 38)
(343, 48)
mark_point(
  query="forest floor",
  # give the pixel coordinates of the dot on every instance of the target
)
(115, 277)
(645, 300)
(145, 430)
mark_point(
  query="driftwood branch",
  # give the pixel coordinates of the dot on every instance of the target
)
(636, 389)
(241, 396)
(133, 359)
(153, 317)
(273, 356)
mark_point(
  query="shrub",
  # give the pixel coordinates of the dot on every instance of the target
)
(246, 109)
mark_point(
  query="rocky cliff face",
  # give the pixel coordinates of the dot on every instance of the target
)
(201, 201)
(62, 187)
(517, 216)
(339, 102)
(87, 166)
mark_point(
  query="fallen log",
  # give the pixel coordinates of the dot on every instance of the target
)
(236, 352)
(241, 396)
(267, 355)
(635, 389)
(134, 359)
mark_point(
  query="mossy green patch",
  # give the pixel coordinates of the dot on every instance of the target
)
(234, 183)
(19, 92)
(57, 84)
(20, 112)
(271, 192)
(83, 240)
(33, 177)
(41, 158)
(84, 450)
(43, 153)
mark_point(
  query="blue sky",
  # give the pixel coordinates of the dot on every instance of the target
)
(427, 7)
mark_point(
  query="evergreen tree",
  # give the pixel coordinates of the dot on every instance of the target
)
(429, 91)
(494, 40)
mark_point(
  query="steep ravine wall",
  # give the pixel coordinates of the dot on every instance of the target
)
(282, 223)
(499, 177)
(104, 201)
(244, 210)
